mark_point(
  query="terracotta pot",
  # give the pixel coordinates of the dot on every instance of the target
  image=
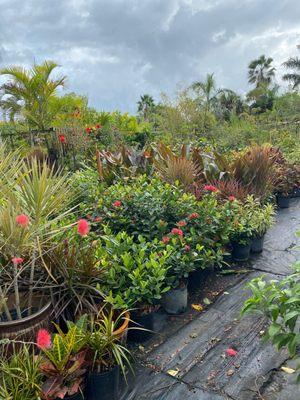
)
(25, 329)
(121, 332)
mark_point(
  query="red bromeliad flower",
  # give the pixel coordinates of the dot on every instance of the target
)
(17, 260)
(231, 198)
(83, 227)
(88, 129)
(231, 352)
(62, 139)
(210, 188)
(165, 239)
(187, 248)
(181, 223)
(117, 203)
(43, 339)
(194, 215)
(176, 231)
(22, 219)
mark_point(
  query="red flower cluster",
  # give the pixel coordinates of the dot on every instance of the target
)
(17, 260)
(165, 239)
(62, 139)
(83, 227)
(22, 219)
(187, 248)
(176, 231)
(88, 129)
(231, 198)
(194, 215)
(181, 223)
(117, 203)
(231, 352)
(98, 126)
(43, 339)
(210, 188)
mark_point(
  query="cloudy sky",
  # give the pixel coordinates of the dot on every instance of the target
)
(115, 50)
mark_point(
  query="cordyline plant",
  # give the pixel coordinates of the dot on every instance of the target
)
(34, 199)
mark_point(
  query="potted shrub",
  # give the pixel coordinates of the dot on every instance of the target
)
(181, 264)
(286, 181)
(136, 279)
(63, 364)
(262, 217)
(107, 356)
(241, 231)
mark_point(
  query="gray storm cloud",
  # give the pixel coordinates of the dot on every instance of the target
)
(115, 50)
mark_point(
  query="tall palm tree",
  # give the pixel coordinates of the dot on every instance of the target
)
(146, 105)
(206, 89)
(293, 77)
(261, 71)
(229, 103)
(29, 91)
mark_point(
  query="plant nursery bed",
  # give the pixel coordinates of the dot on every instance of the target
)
(187, 357)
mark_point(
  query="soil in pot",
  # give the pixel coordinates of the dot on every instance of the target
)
(103, 386)
(283, 201)
(141, 327)
(175, 300)
(240, 252)
(257, 244)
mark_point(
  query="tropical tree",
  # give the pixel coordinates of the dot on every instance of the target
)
(28, 93)
(292, 77)
(261, 71)
(228, 103)
(206, 90)
(146, 106)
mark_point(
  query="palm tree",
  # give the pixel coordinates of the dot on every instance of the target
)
(28, 93)
(146, 105)
(229, 103)
(206, 89)
(261, 71)
(293, 77)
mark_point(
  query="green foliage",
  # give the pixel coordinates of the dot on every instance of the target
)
(20, 376)
(261, 216)
(279, 301)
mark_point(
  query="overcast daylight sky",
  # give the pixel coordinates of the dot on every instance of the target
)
(114, 50)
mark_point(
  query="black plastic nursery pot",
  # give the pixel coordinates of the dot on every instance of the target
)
(241, 252)
(296, 192)
(175, 300)
(283, 201)
(257, 244)
(103, 386)
(140, 327)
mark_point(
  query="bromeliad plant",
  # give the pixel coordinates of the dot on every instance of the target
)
(279, 301)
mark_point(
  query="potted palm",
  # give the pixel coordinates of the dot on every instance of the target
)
(107, 357)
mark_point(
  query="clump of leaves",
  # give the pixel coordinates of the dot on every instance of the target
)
(279, 301)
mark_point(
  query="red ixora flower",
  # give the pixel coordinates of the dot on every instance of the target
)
(62, 139)
(17, 260)
(165, 239)
(22, 219)
(43, 339)
(181, 223)
(117, 203)
(83, 227)
(98, 126)
(194, 215)
(88, 129)
(231, 352)
(176, 231)
(187, 248)
(231, 198)
(210, 188)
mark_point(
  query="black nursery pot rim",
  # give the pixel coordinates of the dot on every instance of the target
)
(95, 373)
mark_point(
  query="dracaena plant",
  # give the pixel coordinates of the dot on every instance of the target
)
(63, 362)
